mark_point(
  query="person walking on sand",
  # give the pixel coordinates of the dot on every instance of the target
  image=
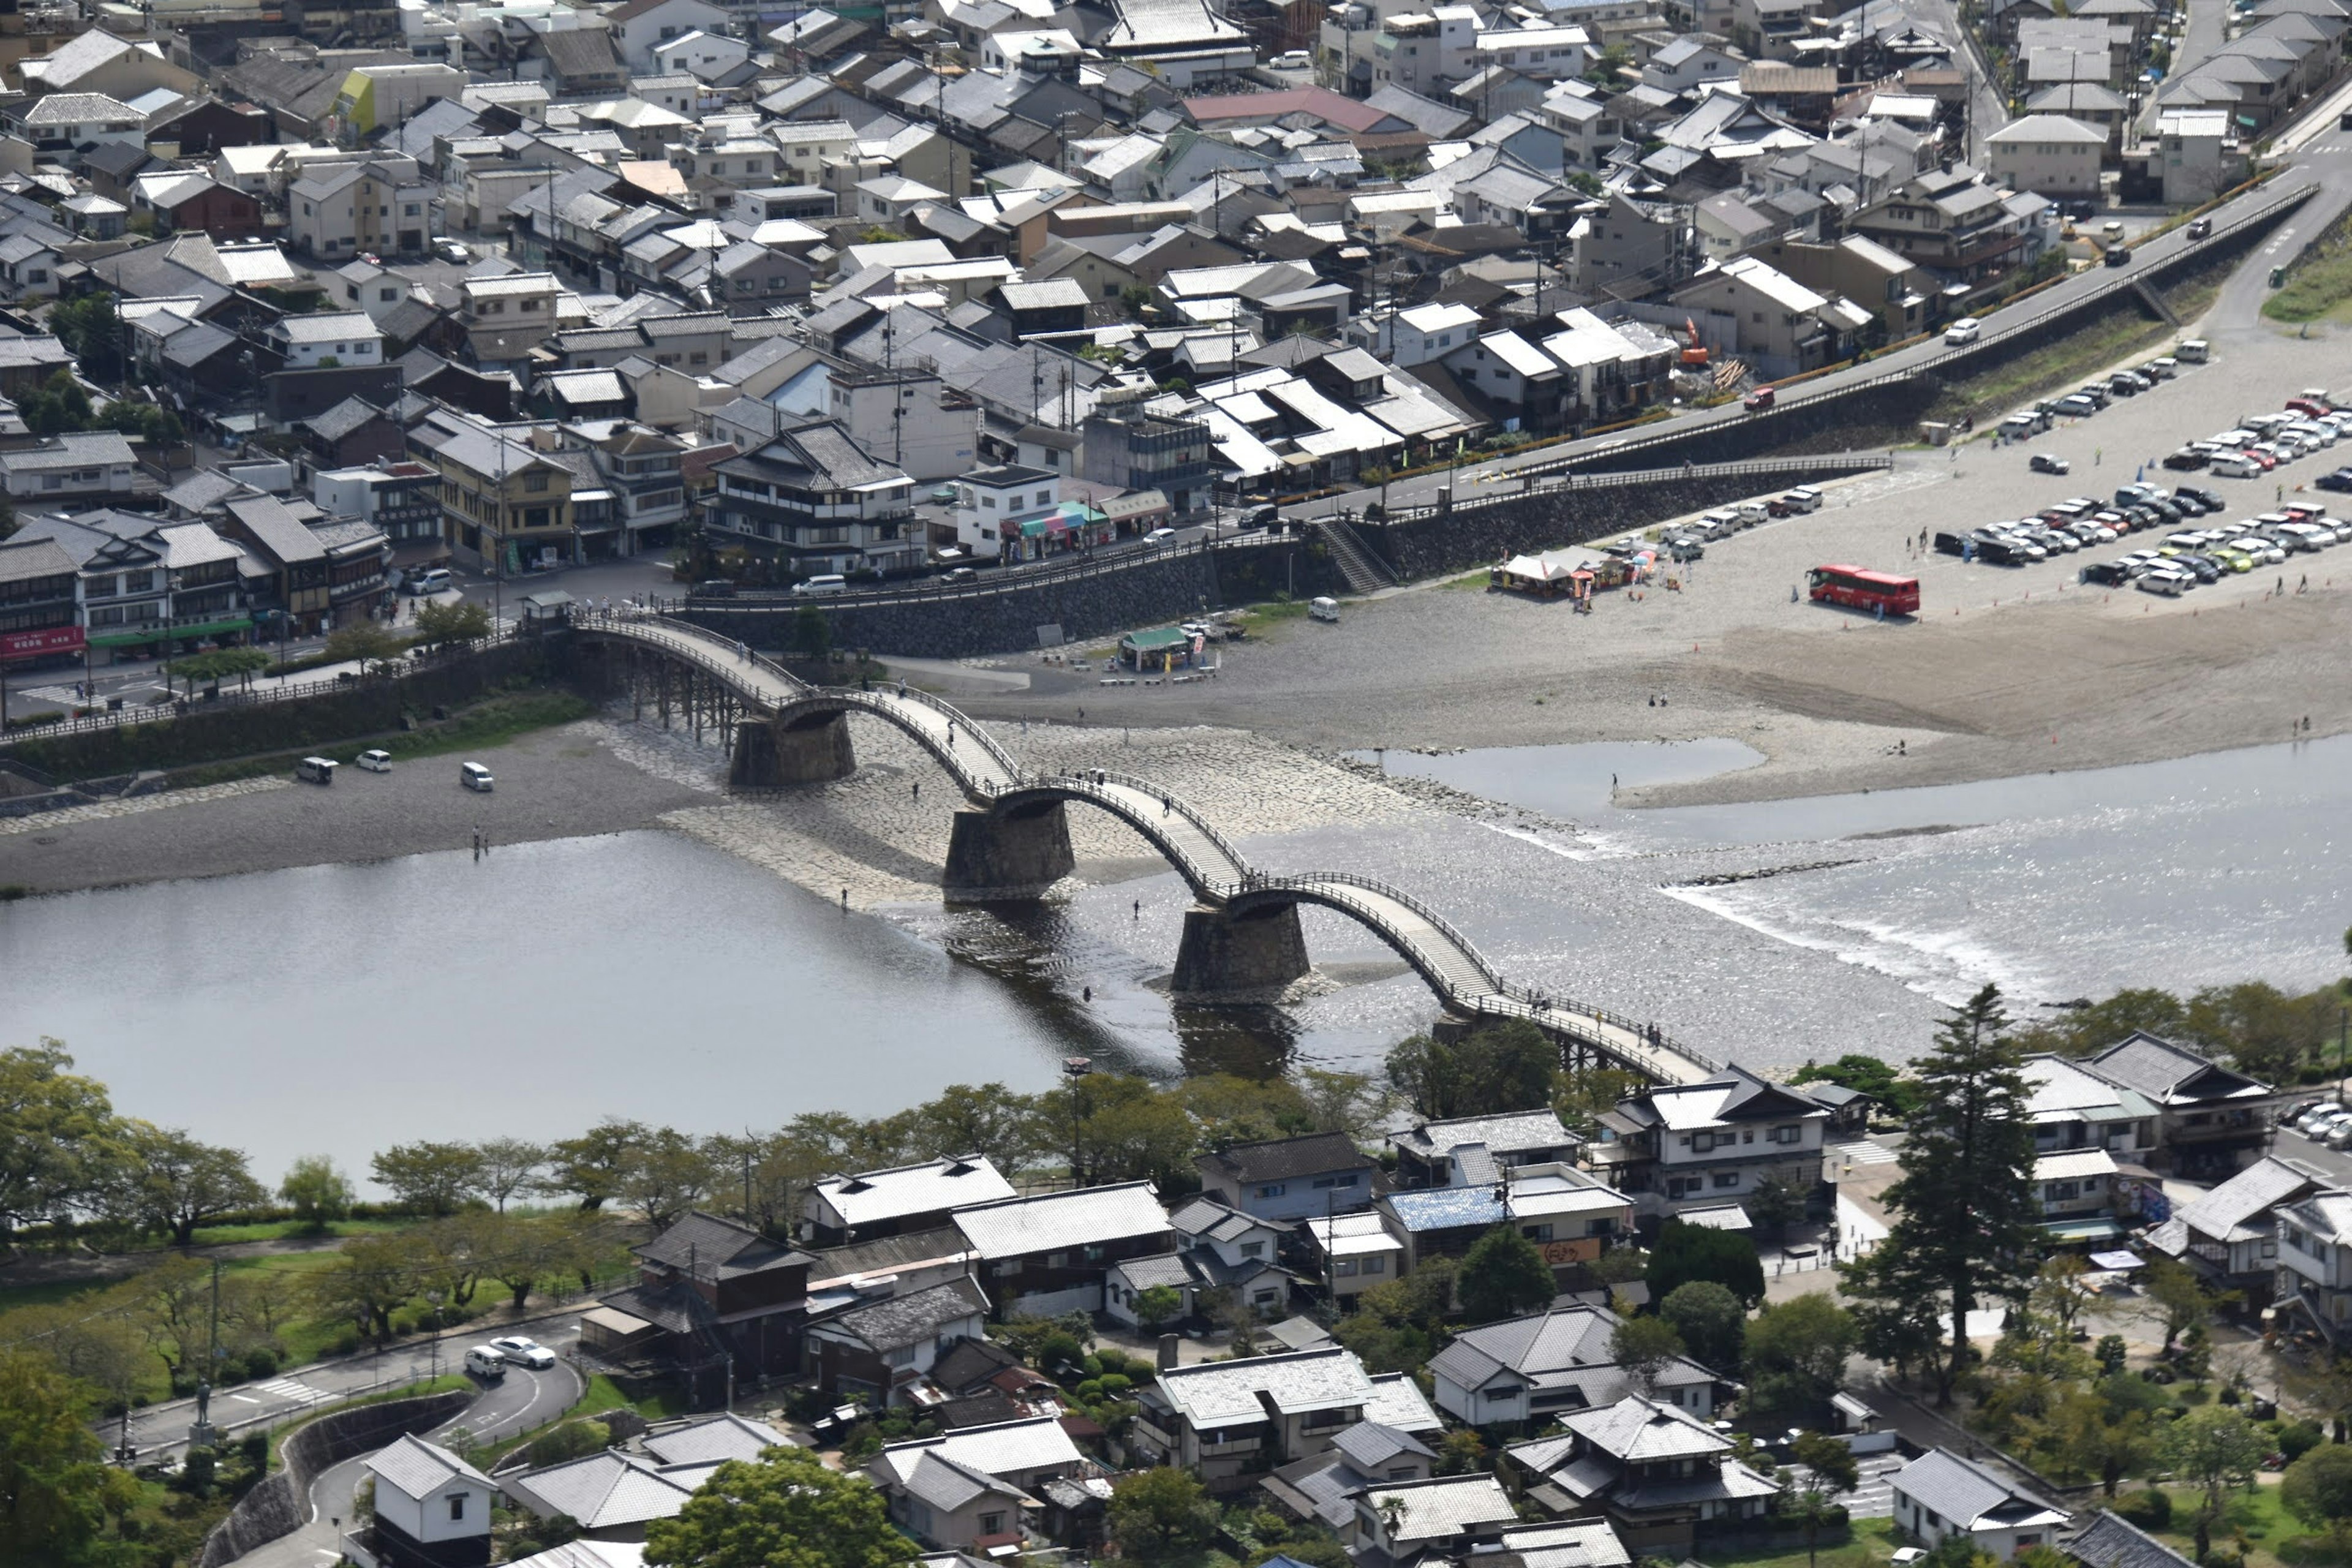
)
(918, 792)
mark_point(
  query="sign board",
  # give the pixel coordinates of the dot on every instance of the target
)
(1050, 636)
(1583, 1250)
(31, 645)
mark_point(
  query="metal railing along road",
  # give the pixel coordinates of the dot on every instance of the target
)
(1614, 478)
(990, 581)
(1541, 1007)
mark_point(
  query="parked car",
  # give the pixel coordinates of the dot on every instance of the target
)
(2044, 463)
(1293, 60)
(486, 1363)
(475, 777)
(1950, 544)
(2105, 573)
(452, 251)
(2074, 406)
(522, 1351)
(2341, 480)
(1965, 331)
(375, 761)
(1758, 400)
(943, 495)
(2166, 581)
(2185, 458)
(2236, 465)
(315, 770)
(435, 581)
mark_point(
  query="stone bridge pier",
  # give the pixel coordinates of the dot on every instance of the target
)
(1016, 853)
(770, 753)
(1224, 951)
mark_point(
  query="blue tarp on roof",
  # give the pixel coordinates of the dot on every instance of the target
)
(1446, 1208)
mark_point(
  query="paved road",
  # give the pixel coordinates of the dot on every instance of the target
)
(2320, 165)
(160, 1431)
(521, 1400)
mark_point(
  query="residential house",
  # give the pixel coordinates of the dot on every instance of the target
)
(1230, 1422)
(1749, 309)
(1427, 1154)
(72, 467)
(1036, 1256)
(327, 340)
(2201, 158)
(1324, 1486)
(990, 503)
(2112, 1541)
(1682, 1147)
(402, 499)
(60, 125)
(98, 61)
(966, 1489)
(1944, 220)
(1897, 291)
(812, 499)
(2073, 1107)
(1529, 1371)
(613, 1495)
(920, 1198)
(714, 1300)
(505, 318)
(884, 1348)
(1352, 1252)
(353, 434)
(637, 25)
(1424, 332)
(1217, 1248)
(2229, 1234)
(381, 206)
(1289, 1178)
(1439, 1520)
(41, 601)
(1571, 1217)
(2047, 154)
(175, 199)
(1657, 1473)
(294, 579)
(1940, 1494)
(2315, 1252)
(2210, 1119)
(30, 264)
(432, 1508)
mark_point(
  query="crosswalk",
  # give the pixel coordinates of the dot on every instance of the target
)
(1864, 1153)
(294, 1390)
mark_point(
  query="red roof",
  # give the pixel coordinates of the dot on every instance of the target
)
(1331, 108)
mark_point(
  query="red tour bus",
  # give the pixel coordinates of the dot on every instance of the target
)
(1858, 589)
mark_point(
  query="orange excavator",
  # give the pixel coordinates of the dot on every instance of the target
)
(1695, 355)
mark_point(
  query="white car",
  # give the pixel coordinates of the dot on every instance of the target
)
(1296, 60)
(1963, 331)
(375, 761)
(1160, 536)
(521, 1351)
(2320, 1113)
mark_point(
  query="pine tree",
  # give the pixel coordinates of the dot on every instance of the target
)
(1967, 1219)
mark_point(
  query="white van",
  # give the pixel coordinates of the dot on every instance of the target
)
(1804, 498)
(487, 1363)
(2196, 350)
(1752, 512)
(823, 583)
(1323, 610)
(475, 777)
(436, 580)
(2236, 466)
(315, 770)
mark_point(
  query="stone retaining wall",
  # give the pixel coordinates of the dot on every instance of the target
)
(279, 1504)
(1556, 516)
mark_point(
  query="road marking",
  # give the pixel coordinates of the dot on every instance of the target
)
(295, 1390)
(246, 1398)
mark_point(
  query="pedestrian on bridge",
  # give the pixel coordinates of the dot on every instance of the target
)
(1163, 805)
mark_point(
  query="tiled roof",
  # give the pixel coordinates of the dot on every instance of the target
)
(1442, 1508)
(721, 1438)
(1283, 1158)
(897, 1322)
(2109, 1541)
(1638, 1431)
(1966, 1492)
(1055, 1222)
(1445, 1208)
(1513, 1132)
(1036, 1443)
(1235, 1394)
(419, 1468)
(872, 1197)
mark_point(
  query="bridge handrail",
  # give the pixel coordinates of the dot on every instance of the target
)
(1190, 812)
(1315, 881)
(1543, 1004)
(987, 741)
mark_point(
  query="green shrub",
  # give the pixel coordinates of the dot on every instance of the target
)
(260, 1363)
(2296, 1438)
(572, 1440)
(2150, 1509)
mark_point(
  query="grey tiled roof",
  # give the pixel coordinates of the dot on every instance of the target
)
(916, 1318)
(1964, 1491)
(2108, 1542)
(419, 1468)
(1283, 1158)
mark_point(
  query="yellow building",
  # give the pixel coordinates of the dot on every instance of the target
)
(503, 499)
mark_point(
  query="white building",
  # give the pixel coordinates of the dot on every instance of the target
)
(430, 1505)
(2049, 154)
(1430, 332)
(987, 499)
(1939, 1494)
(347, 337)
(2202, 159)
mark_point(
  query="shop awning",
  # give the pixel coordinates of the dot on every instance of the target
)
(2114, 1262)
(1141, 504)
(1721, 1216)
(2081, 1229)
(154, 632)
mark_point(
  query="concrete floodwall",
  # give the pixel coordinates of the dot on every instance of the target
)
(280, 1504)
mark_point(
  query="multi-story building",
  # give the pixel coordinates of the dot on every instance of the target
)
(505, 318)
(295, 583)
(401, 499)
(640, 470)
(1230, 1422)
(2230, 1234)
(1658, 1473)
(1289, 1178)
(503, 499)
(904, 415)
(1127, 447)
(1040, 1256)
(1679, 1147)
(2315, 1263)
(40, 600)
(814, 500)
(327, 340)
(379, 207)
(2212, 1119)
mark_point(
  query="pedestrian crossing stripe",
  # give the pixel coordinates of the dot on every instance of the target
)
(1861, 1154)
(294, 1389)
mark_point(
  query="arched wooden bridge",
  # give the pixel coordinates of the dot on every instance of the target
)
(1012, 841)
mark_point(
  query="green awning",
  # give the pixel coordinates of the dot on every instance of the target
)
(1164, 637)
(160, 633)
(2081, 1229)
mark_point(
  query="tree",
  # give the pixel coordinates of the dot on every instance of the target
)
(2058, 1293)
(169, 1306)
(1966, 1211)
(1156, 1305)
(1643, 1346)
(2266, 1032)
(1580, 1099)
(2213, 1449)
(1506, 1066)
(1351, 1102)
(508, 1166)
(1776, 1204)
(1503, 1275)
(365, 642)
(2108, 1430)
(1686, 1252)
(812, 633)
(371, 1278)
(1894, 1308)
(988, 1120)
(785, 1509)
(58, 1499)
(1830, 1471)
(1711, 1322)
(458, 620)
(666, 1173)
(91, 327)
(1398, 1325)
(1160, 1513)
(589, 1167)
(2317, 1489)
(1797, 1352)
(431, 1179)
(1460, 1452)
(56, 1133)
(318, 1193)
(2180, 1298)
(1864, 1075)
(169, 1181)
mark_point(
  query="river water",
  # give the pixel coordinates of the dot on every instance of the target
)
(341, 1008)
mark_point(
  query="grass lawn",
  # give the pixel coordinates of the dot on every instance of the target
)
(2318, 287)
(2274, 1538)
(605, 1394)
(294, 1230)
(1866, 1543)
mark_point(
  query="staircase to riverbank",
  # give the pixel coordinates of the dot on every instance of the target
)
(1361, 568)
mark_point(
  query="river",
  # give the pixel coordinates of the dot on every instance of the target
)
(344, 1007)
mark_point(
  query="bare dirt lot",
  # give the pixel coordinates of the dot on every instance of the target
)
(2006, 670)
